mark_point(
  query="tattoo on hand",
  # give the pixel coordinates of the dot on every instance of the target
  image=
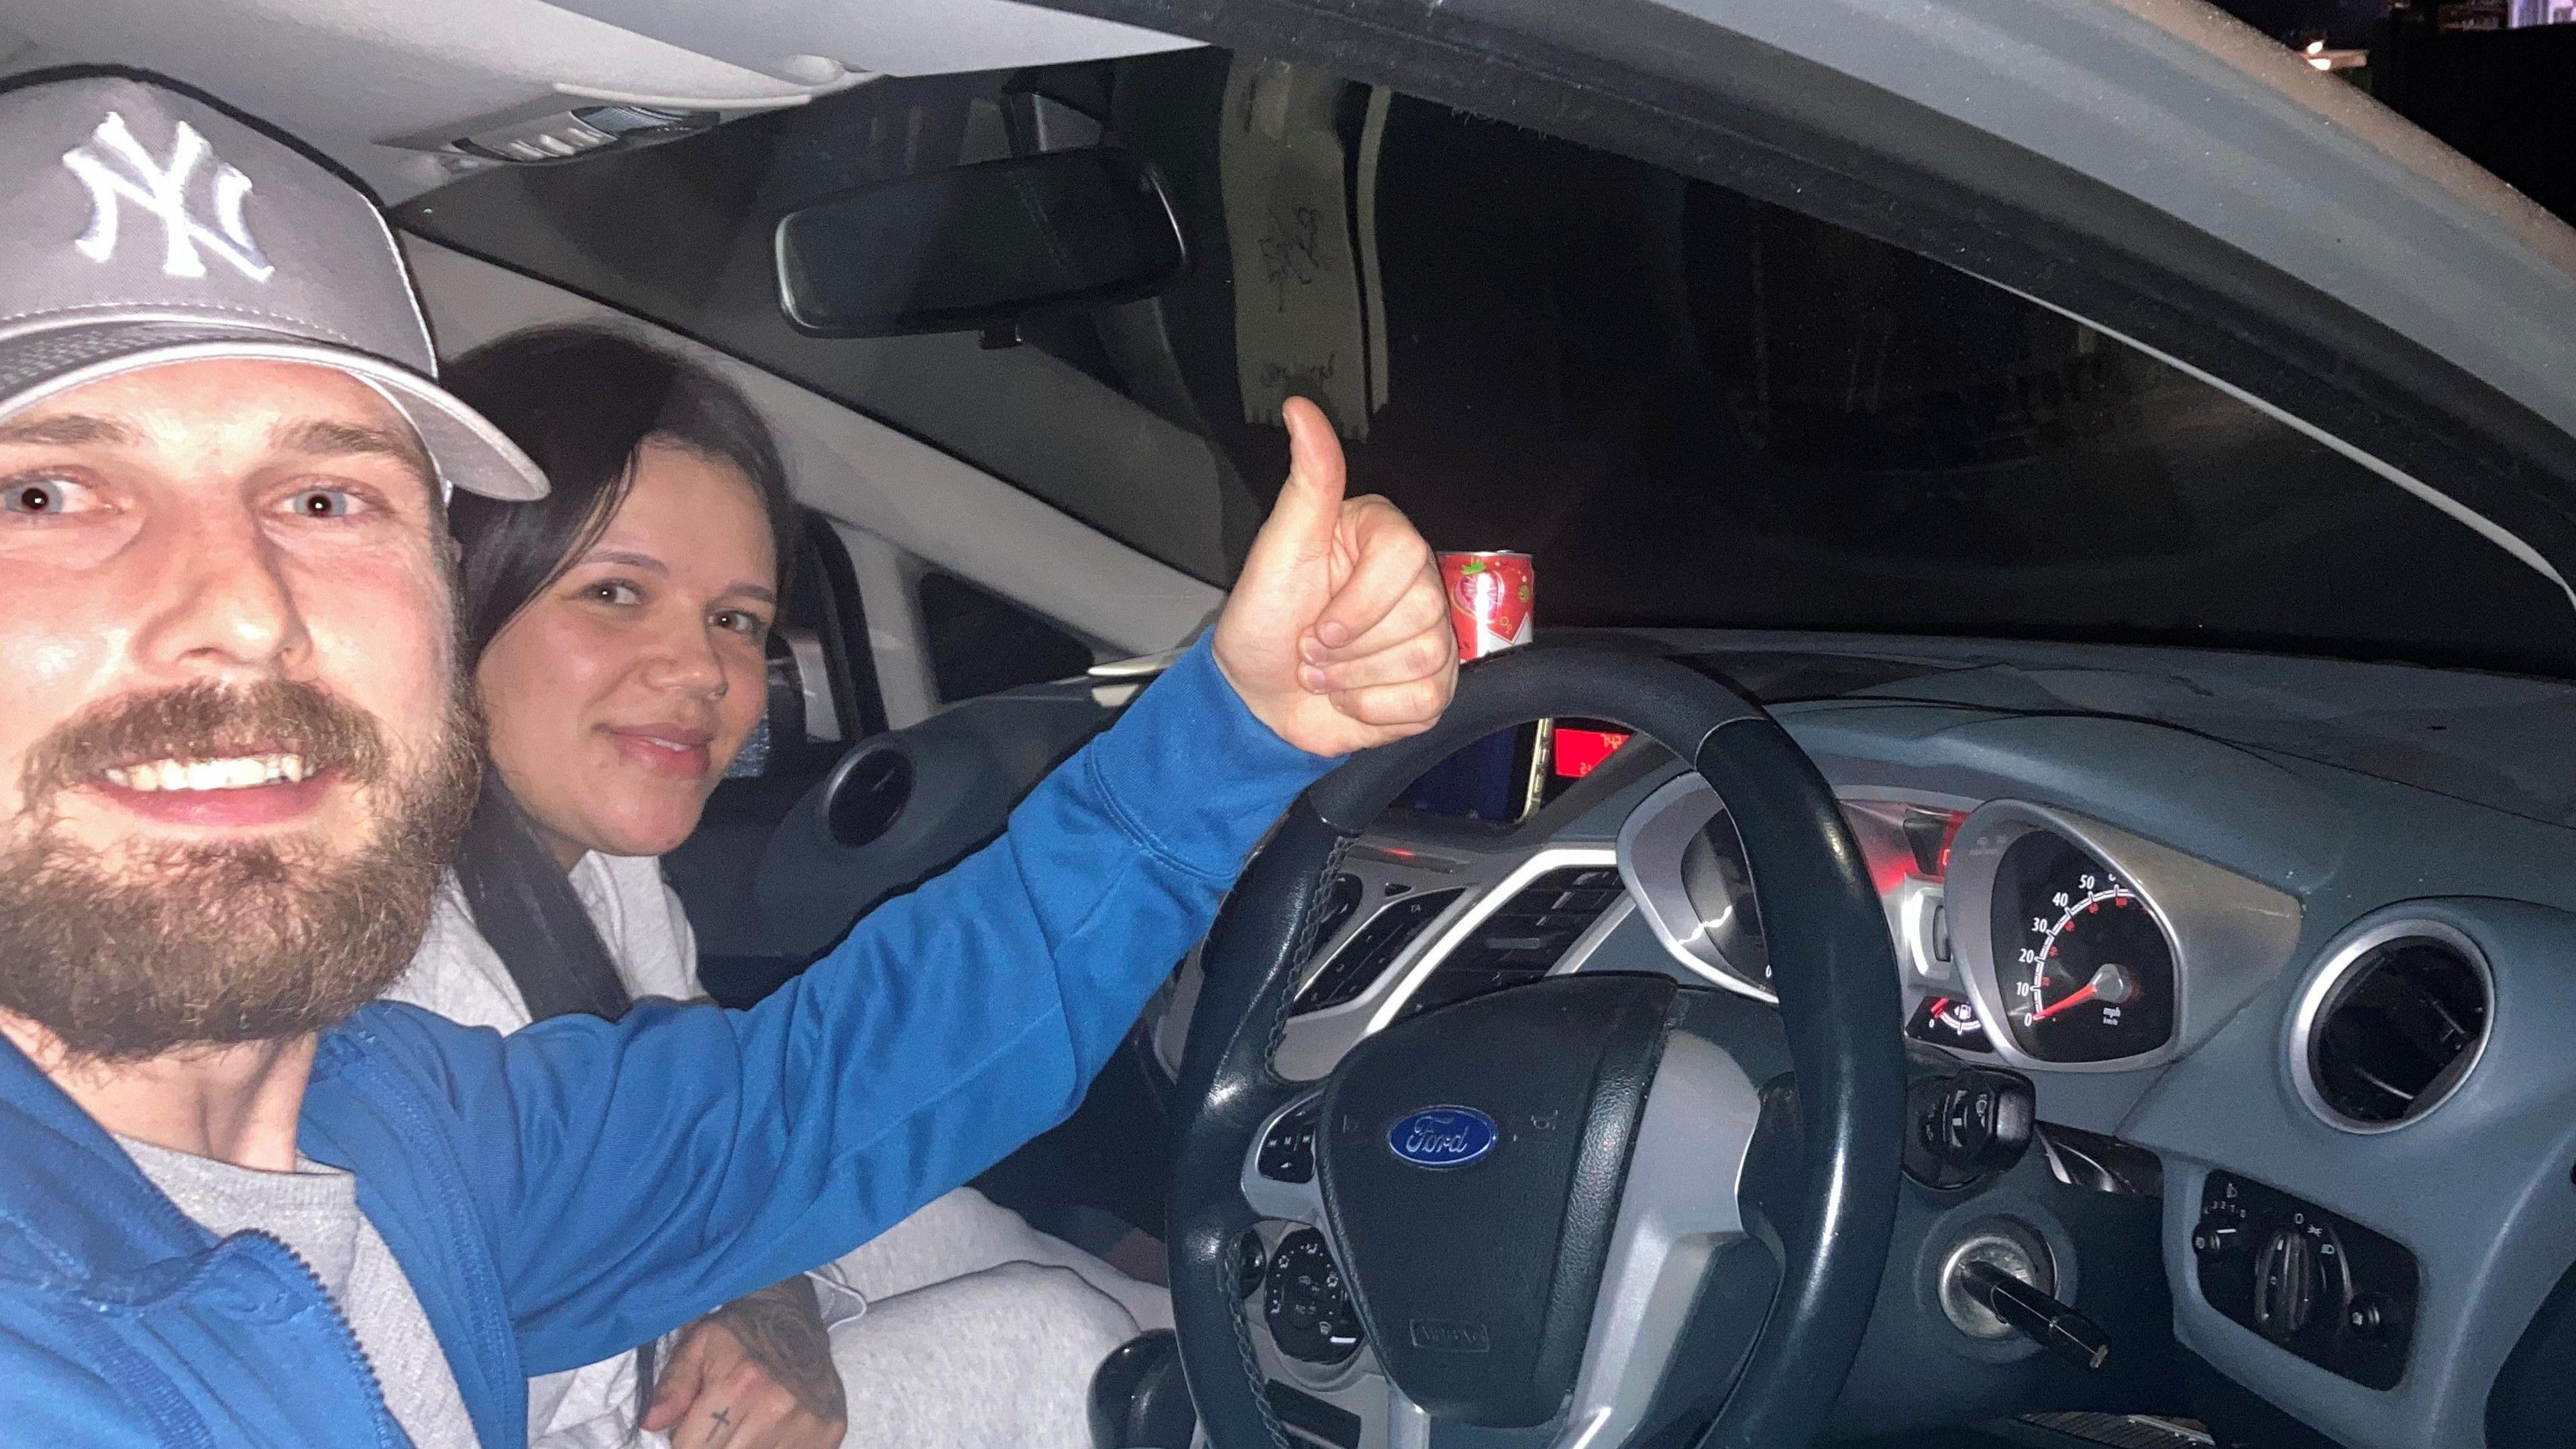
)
(781, 1327)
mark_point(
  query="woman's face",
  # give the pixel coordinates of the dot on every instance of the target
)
(618, 695)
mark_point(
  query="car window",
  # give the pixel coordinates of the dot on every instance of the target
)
(823, 689)
(981, 643)
(1694, 409)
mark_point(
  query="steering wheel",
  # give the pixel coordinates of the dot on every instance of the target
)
(1574, 1201)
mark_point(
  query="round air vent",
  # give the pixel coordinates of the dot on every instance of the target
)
(866, 793)
(2393, 1025)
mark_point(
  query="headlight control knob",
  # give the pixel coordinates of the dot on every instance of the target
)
(2285, 1283)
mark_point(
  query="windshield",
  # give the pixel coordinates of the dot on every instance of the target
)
(1691, 408)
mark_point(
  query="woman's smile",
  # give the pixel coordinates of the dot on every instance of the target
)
(666, 749)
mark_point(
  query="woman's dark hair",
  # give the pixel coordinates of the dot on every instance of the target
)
(581, 402)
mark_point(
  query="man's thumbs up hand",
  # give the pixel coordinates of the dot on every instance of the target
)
(1336, 635)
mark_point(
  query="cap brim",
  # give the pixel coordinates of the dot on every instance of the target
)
(468, 452)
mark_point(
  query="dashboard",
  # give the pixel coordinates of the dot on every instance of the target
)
(2308, 1022)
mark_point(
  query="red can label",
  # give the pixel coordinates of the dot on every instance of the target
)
(1489, 600)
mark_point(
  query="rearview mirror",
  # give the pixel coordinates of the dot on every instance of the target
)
(975, 246)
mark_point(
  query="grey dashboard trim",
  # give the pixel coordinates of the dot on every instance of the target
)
(2479, 1193)
(1314, 1041)
(2339, 961)
(1651, 842)
(1445, 939)
(2231, 936)
(1650, 849)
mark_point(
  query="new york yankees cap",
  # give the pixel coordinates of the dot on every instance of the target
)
(147, 227)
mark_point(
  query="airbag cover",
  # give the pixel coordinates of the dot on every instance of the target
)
(1475, 1255)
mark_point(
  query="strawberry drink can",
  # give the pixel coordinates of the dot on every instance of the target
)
(1489, 600)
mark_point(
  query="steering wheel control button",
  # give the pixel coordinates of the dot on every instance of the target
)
(1308, 1307)
(1371, 949)
(1251, 1264)
(1288, 1153)
(1440, 1137)
(2321, 1286)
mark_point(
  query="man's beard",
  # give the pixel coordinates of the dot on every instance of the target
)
(141, 950)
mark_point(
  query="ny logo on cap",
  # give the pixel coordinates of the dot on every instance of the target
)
(162, 192)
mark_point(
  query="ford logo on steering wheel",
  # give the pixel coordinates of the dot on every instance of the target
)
(1442, 1136)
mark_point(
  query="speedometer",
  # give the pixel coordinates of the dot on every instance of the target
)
(2086, 968)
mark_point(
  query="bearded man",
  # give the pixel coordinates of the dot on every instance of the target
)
(242, 1206)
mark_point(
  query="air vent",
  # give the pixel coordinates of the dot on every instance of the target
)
(1371, 949)
(867, 794)
(1520, 942)
(2395, 1024)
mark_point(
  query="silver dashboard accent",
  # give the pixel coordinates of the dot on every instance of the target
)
(2231, 936)
(1315, 1040)
(1446, 938)
(1651, 846)
(1408, 1424)
(2339, 961)
(1654, 846)
(1919, 908)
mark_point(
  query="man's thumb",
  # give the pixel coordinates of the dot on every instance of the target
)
(1310, 502)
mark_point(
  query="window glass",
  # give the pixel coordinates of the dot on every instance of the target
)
(820, 626)
(981, 644)
(1694, 409)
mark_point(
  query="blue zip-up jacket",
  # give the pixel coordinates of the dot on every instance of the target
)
(562, 1194)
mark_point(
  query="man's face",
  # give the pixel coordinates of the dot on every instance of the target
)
(233, 752)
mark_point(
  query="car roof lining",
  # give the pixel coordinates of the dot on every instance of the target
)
(357, 79)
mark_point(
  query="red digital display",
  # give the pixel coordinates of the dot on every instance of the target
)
(1579, 752)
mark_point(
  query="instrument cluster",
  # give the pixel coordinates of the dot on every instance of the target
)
(2087, 969)
(2045, 938)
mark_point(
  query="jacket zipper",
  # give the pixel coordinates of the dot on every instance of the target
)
(348, 1335)
(493, 1322)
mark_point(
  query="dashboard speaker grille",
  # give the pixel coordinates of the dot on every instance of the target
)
(2397, 1031)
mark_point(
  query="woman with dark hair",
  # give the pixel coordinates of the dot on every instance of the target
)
(617, 631)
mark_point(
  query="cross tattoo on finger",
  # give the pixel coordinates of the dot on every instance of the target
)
(724, 1416)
